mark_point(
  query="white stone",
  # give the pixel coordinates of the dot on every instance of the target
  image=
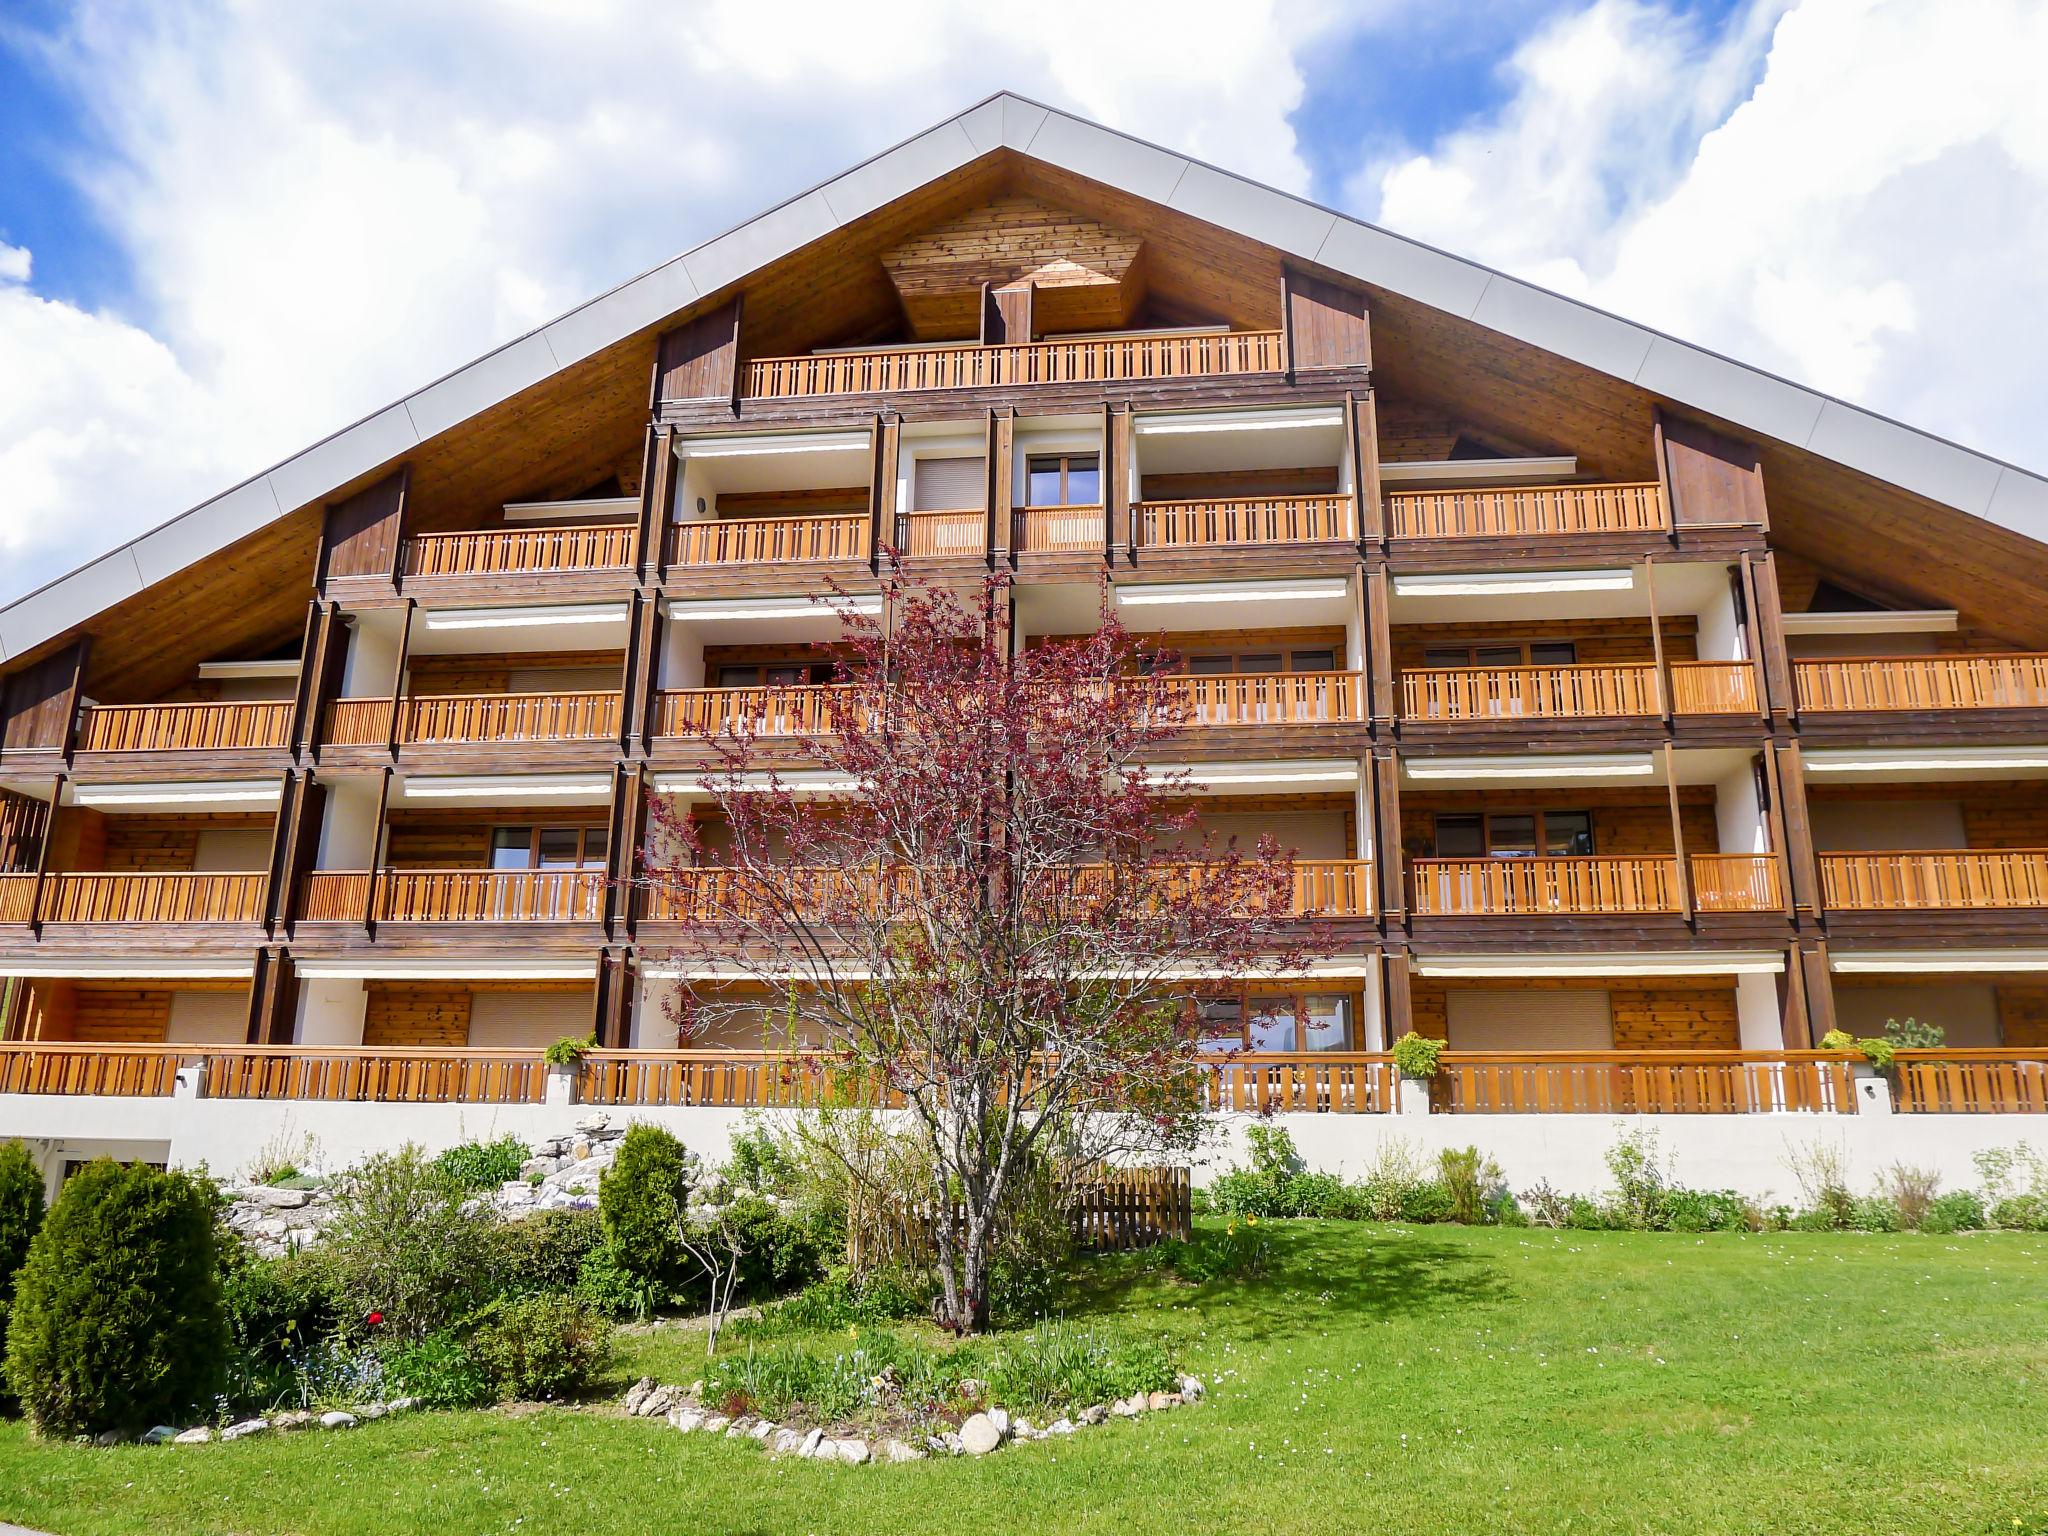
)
(979, 1435)
(739, 1428)
(199, 1434)
(1000, 1417)
(897, 1450)
(763, 1430)
(810, 1443)
(275, 1198)
(372, 1411)
(1159, 1400)
(688, 1420)
(1191, 1389)
(972, 1388)
(403, 1404)
(1094, 1413)
(159, 1434)
(1128, 1407)
(108, 1437)
(715, 1424)
(855, 1453)
(337, 1420)
(291, 1418)
(1060, 1427)
(785, 1442)
(244, 1429)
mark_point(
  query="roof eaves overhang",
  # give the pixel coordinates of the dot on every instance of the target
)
(1747, 397)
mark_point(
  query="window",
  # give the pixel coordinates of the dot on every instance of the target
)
(1517, 653)
(549, 847)
(777, 674)
(1062, 480)
(1222, 663)
(1514, 834)
(1276, 1022)
(950, 485)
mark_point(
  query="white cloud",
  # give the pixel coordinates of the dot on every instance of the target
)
(1867, 216)
(325, 206)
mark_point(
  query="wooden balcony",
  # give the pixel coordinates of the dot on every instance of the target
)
(1248, 520)
(17, 898)
(185, 727)
(101, 1071)
(1299, 1082)
(1582, 692)
(1533, 511)
(1051, 530)
(454, 896)
(1323, 888)
(1985, 879)
(375, 1075)
(1737, 882)
(768, 540)
(959, 535)
(1549, 887)
(895, 370)
(812, 709)
(2012, 681)
(520, 551)
(1270, 698)
(173, 898)
(1970, 1082)
(448, 719)
(1647, 1083)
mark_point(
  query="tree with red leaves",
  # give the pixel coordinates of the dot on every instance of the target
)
(975, 888)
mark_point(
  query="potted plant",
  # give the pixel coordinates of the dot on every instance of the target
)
(1417, 1059)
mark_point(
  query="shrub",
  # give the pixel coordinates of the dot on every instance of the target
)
(1878, 1051)
(1874, 1213)
(1639, 1183)
(1471, 1180)
(1838, 1040)
(781, 1252)
(567, 1051)
(1426, 1200)
(605, 1285)
(21, 1213)
(117, 1319)
(541, 1347)
(1912, 1190)
(1417, 1056)
(1960, 1210)
(1546, 1207)
(765, 1163)
(404, 1244)
(642, 1201)
(543, 1253)
(1703, 1210)
(1912, 1035)
(480, 1165)
(440, 1371)
(2022, 1213)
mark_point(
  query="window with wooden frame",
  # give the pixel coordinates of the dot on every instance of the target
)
(1504, 653)
(1288, 1022)
(1224, 663)
(1062, 480)
(549, 847)
(779, 674)
(1513, 834)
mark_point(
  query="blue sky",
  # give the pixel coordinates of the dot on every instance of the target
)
(227, 227)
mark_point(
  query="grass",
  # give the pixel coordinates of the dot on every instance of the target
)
(1403, 1380)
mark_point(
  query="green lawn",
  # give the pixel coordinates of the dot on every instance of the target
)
(1439, 1379)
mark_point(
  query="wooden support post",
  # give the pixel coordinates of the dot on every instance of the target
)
(1819, 986)
(1802, 868)
(281, 842)
(657, 492)
(886, 442)
(273, 997)
(1743, 581)
(1367, 493)
(612, 1000)
(35, 899)
(1117, 474)
(1779, 683)
(398, 680)
(1678, 833)
(1657, 642)
(376, 855)
(1386, 840)
(1002, 532)
(1397, 996)
(1379, 651)
(618, 832)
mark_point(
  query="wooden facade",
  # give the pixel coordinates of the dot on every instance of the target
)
(1011, 303)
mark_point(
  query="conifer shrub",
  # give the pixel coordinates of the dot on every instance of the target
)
(117, 1321)
(642, 1200)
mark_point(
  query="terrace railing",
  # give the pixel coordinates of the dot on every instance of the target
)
(521, 551)
(185, 727)
(1530, 511)
(1917, 881)
(894, 370)
(1244, 520)
(2018, 680)
(1589, 885)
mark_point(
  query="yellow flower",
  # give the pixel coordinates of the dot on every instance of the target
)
(1251, 1221)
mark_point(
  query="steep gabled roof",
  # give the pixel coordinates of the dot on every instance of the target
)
(1750, 398)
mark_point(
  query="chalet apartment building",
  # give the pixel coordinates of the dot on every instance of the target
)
(1638, 716)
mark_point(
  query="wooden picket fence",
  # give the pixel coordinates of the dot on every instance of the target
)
(1110, 1210)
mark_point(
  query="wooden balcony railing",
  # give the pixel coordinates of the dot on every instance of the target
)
(1914, 881)
(185, 727)
(1713, 688)
(1526, 511)
(455, 896)
(517, 551)
(800, 710)
(174, 898)
(1508, 887)
(769, 540)
(1269, 698)
(1737, 882)
(955, 535)
(1511, 693)
(376, 1075)
(17, 896)
(1043, 362)
(716, 1079)
(1044, 530)
(477, 717)
(1244, 520)
(107, 1071)
(2014, 681)
(1647, 1083)
(1970, 1082)
(1299, 1082)
(1322, 888)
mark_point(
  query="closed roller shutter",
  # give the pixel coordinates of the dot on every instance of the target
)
(950, 485)
(519, 1019)
(208, 1018)
(1530, 1019)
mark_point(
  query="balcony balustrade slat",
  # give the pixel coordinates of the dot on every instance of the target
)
(185, 727)
(1970, 1082)
(1527, 511)
(17, 897)
(1268, 698)
(960, 534)
(1244, 520)
(1589, 885)
(1737, 882)
(1046, 530)
(1659, 1082)
(1713, 688)
(767, 540)
(153, 898)
(1507, 693)
(517, 551)
(2015, 681)
(1915, 881)
(902, 369)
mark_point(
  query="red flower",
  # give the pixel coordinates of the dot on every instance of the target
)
(375, 1319)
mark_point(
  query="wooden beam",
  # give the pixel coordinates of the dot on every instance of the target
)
(1657, 642)
(888, 445)
(1386, 840)
(1820, 990)
(376, 853)
(1397, 1007)
(1678, 833)
(1770, 631)
(1379, 654)
(49, 837)
(398, 680)
(1802, 868)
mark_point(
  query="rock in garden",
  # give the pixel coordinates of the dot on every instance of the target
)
(403, 1404)
(337, 1420)
(590, 1123)
(979, 1435)
(688, 1420)
(159, 1434)
(657, 1403)
(199, 1434)
(277, 1199)
(1128, 1407)
(810, 1443)
(854, 1453)
(244, 1429)
(1060, 1427)
(715, 1424)
(897, 1450)
(785, 1442)
(291, 1418)
(107, 1437)
(1191, 1389)
(1094, 1413)
(763, 1429)
(372, 1411)
(1159, 1400)
(739, 1428)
